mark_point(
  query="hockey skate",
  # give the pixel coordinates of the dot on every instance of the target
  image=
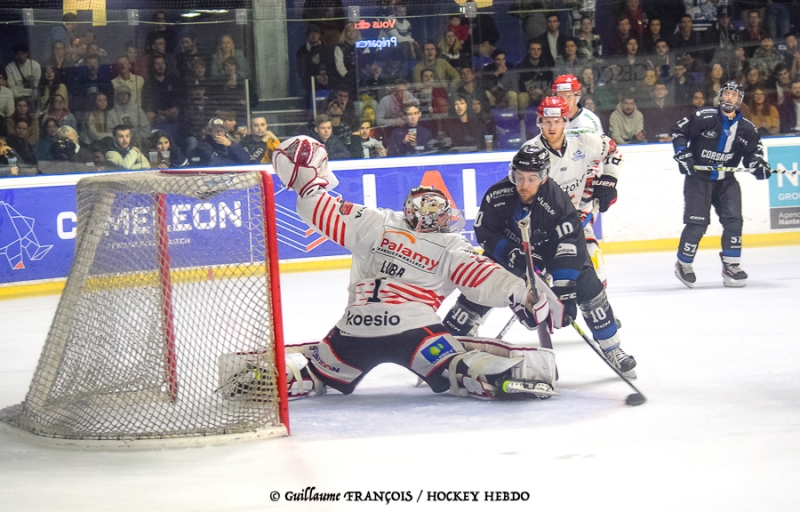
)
(685, 273)
(513, 389)
(732, 275)
(623, 362)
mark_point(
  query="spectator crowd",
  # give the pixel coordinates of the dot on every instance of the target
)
(172, 105)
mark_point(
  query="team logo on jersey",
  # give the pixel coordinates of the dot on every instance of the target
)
(437, 350)
(578, 155)
(709, 134)
(400, 251)
(346, 207)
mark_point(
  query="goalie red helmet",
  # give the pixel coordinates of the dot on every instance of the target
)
(553, 106)
(427, 210)
(566, 83)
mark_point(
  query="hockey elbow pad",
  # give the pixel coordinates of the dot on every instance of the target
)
(566, 291)
(605, 191)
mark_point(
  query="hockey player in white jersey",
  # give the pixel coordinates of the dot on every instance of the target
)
(585, 163)
(569, 88)
(404, 265)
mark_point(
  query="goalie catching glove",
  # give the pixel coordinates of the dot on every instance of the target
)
(531, 311)
(301, 163)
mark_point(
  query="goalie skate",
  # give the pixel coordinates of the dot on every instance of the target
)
(528, 388)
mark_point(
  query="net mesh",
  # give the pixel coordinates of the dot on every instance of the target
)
(150, 342)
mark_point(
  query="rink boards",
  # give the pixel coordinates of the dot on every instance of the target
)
(38, 214)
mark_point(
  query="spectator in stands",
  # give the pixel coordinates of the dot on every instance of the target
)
(92, 46)
(390, 108)
(6, 96)
(23, 74)
(349, 115)
(626, 125)
(789, 112)
(687, 43)
(396, 67)
(782, 85)
(340, 130)
(58, 110)
(590, 46)
(779, 16)
(766, 57)
(401, 30)
(314, 61)
(66, 31)
(662, 60)
(472, 88)
(90, 82)
(465, 130)
(651, 36)
(588, 104)
(411, 137)
(363, 145)
(216, 149)
(644, 88)
(344, 55)
(157, 47)
(323, 132)
(723, 39)
(8, 159)
(162, 28)
(553, 41)
(126, 77)
(752, 79)
(124, 154)
(158, 87)
(171, 120)
(198, 108)
(683, 85)
(609, 88)
(460, 30)
(226, 49)
(791, 55)
(21, 113)
(570, 62)
(48, 87)
(660, 115)
(484, 116)
(43, 146)
(588, 81)
(432, 98)
(637, 17)
(130, 116)
(19, 143)
(715, 78)
(443, 72)
(501, 82)
(753, 32)
(451, 48)
(228, 121)
(260, 129)
(232, 93)
(619, 37)
(139, 65)
(633, 66)
(763, 114)
(189, 52)
(170, 155)
(97, 126)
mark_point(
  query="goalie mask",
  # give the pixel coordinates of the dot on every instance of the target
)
(726, 105)
(530, 159)
(427, 210)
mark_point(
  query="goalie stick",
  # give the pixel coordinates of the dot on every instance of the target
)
(633, 399)
(709, 168)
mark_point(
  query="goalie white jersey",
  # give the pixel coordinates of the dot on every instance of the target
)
(399, 276)
(584, 156)
(585, 118)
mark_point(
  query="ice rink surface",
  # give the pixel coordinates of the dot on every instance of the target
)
(720, 430)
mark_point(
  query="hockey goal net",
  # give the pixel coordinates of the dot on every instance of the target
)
(169, 328)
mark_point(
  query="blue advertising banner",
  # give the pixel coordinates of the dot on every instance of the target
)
(38, 225)
(784, 190)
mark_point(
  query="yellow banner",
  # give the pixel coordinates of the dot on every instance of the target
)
(98, 8)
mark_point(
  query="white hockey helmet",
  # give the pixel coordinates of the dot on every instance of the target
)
(427, 210)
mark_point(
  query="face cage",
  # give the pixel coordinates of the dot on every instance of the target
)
(427, 212)
(727, 106)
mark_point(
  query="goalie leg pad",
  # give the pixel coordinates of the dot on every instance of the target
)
(465, 317)
(325, 363)
(488, 359)
(599, 316)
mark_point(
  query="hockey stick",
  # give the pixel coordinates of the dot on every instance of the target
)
(524, 225)
(742, 169)
(632, 399)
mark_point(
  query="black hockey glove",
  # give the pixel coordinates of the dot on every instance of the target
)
(760, 169)
(685, 161)
(515, 260)
(566, 293)
(605, 191)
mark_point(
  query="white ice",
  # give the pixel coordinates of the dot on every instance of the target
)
(720, 430)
